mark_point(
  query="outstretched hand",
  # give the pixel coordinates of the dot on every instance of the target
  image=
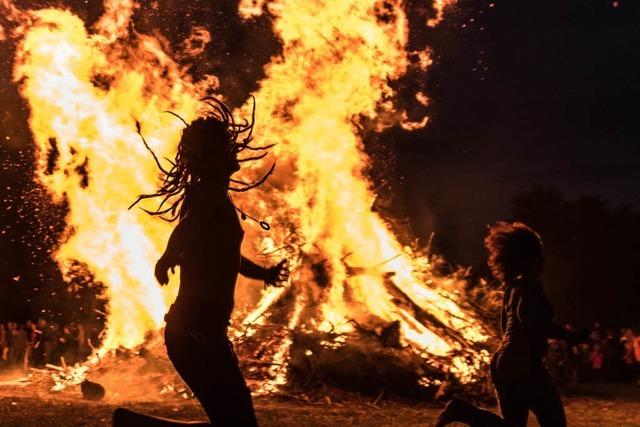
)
(277, 275)
(163, 266)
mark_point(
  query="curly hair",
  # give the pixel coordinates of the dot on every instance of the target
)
(511, 247)
(217, 134)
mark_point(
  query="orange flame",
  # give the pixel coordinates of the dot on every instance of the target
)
(85, 96)
(439, 6)
(335, 66)
(86, 90)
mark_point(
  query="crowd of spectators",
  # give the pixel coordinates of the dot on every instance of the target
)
(607, 355)
(37, 344)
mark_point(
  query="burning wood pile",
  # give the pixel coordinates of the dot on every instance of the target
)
(362, 355)
(361, 310)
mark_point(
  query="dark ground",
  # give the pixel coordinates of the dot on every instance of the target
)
(593, 405)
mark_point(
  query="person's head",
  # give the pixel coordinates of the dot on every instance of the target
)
(208, 151)
(514, 250)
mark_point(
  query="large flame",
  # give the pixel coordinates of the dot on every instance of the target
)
(335, 66)
(85, 94)
(87, 89)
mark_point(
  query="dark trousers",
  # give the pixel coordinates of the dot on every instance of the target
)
(522, 385)
(207, 363)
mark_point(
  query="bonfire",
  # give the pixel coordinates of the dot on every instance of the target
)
(362, 309)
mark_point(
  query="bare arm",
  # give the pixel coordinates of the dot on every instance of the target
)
(252, 270)
(272, 276)
(536, 314)
(184, 233)
(181, 236)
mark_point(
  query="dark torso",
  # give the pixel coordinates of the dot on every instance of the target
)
(527, 319)
(209, 268)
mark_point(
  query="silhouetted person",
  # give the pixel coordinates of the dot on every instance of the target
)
(613, 353)
(4, 347)
(48, 342)
(67, 344)
(12, 335)
(21, 345)
(596, 361)
(636, 351)
(629, 357)
(206, 245)
(521, 381)
(83, 346)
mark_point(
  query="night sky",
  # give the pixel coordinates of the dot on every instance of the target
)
(524, 94)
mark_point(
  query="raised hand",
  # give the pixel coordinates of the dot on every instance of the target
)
(277, 275)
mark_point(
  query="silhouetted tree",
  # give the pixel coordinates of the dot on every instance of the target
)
(592, 271)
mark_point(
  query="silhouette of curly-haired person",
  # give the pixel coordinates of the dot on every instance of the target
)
(521, 381)
(206, 245)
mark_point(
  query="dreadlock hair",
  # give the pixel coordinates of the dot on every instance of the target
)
(511, 247)
(216, 134)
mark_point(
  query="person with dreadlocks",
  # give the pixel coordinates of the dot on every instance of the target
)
(206, 245)
(521, 381)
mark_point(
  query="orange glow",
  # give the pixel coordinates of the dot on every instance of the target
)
(439, 6)
(87, 88)
(63, 70)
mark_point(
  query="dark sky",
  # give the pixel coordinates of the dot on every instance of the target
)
(523, 94)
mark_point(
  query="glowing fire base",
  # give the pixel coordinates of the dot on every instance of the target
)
(356, 292)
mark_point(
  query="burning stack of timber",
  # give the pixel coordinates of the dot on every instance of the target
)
(365, 356)
(357, 295)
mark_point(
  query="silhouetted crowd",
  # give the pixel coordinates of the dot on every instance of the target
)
(36, 344)
(608, 355)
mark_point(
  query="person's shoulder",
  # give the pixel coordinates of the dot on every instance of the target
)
(524, 285)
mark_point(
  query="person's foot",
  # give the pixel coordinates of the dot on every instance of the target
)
(451, 412)
(123, 417)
